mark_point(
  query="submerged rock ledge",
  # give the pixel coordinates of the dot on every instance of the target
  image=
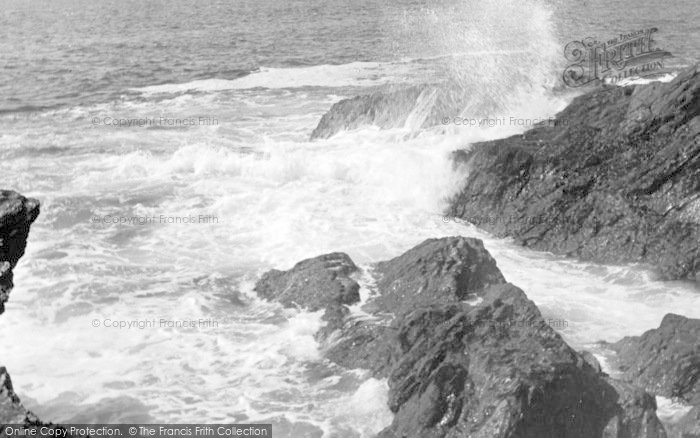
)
(465, 352)
(616, 179)
(418, 106)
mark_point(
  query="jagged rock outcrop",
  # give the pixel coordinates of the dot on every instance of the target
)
(312, 284)
(465, 353)
(437, 271)
(13, 413)
(11, 409)
(16, 216)
(615, 179)
(315, 284)
(497, 370)
(665, 360)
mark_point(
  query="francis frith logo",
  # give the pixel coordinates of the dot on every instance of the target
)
(628, 55)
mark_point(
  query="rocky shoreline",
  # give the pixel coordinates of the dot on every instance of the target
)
(17, 214)
(615, 179)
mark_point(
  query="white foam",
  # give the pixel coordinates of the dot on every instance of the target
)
(474, 301)
(367, 410)
(355, 74)
(633, 80)
(670, 411)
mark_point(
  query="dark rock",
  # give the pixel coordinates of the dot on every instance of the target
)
(634, 413)
(467, 354)
(16, 215)
(437, 271)
(498, 370)
(312, 284)
(615, 179)
(447, 270)
(666, 360)
(315, 284)
(362, 343)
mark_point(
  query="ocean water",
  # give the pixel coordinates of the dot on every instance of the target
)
(187, 123)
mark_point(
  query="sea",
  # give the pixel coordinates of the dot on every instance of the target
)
(169, 145)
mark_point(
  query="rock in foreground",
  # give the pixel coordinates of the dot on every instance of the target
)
(616, 179)
(437, 271)
(11, 409)
(467, 354)
(313, 283)
(666, 360)
(16, 216)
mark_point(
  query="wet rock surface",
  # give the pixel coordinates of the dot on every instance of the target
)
(17, 213)
(498, 370)
(467, 354)
(665, 360)
(319, 283)
(615, 179)
(436, 271)
(420, 106)
(312, 284)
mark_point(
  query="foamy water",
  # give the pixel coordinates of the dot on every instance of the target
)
(276, 198)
